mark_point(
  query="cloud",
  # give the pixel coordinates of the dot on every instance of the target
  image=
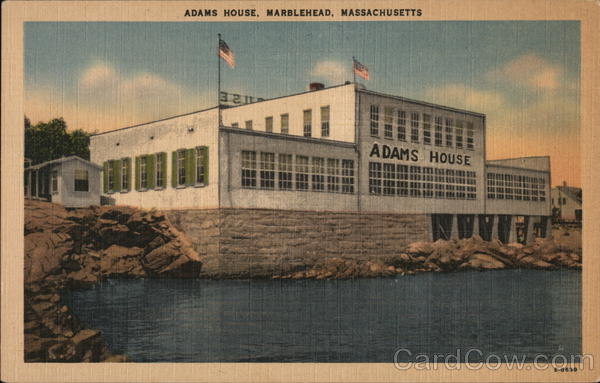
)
(466, 97)
(332, 71)
(532, 71)
(546, 123)
(106, 99)
(100, 75)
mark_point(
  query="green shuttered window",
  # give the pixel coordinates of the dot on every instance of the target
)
(189, 167)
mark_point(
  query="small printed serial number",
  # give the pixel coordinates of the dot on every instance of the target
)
(565, 369)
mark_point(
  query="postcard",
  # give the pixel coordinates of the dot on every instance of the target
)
(316, 191)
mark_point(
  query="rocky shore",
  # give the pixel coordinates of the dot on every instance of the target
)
(446, 256)
(77, 248)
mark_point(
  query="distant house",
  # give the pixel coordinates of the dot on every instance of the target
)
(566, 203)
(70, 181)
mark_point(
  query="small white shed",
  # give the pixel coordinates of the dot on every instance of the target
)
(70, 181)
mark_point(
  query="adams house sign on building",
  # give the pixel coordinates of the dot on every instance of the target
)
(375, 162)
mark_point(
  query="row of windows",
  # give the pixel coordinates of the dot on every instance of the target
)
(294, 172)
(284, 123)
(514, 187)
(415, 181)
(418, 127)
(189, 167)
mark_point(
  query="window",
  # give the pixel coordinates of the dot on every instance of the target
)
(415, 181)
(125, 169)
(450, 188)
(459, 134)
(325, 121)
(374, 177)
(428, 182)
(248, 169)
(318, 174)
(54, 182)
(248, 125)
(414, 127)
(235, 125)
(542, 188)
(285, 171)
(461, 184)
(427, 129)
(81, 180)
(401, 125)
(471, 185)
(509, 186)
(201, 164)
(110, 171)
(438, 131)
(160, 178)
(449, 132)
(347, 176)
(181, 179)
(267, 170)
(269, 124)
(285, 123)
(440, 187)
(402, 180)
(307, 123)
(333, 175)
(143, 172)
(470, 134)
(374, 115)
(500, 186)
(389, 179)
(302, 173)
(388, 119)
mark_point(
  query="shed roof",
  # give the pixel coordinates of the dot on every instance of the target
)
(61, 160)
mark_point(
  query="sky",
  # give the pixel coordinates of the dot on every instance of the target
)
(524, 75)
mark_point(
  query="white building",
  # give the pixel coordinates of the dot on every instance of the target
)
(341, 149)
(566, 203)
(70, 181)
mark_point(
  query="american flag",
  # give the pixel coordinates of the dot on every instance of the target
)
(360, 69)
(226, 54)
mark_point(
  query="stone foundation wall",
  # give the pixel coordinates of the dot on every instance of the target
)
(257, 242)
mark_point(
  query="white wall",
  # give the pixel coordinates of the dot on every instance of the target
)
(233, 195)
(66, 183)
(400, 204)
(520, 207)
(340, 99)
(182, 132)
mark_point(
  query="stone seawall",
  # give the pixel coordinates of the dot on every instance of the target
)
(262, 243)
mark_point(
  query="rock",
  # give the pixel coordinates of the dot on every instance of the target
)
(483, 262)
(528, 250)
(419, 248)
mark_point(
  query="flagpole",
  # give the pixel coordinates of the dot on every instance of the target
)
(353, 72)
(219, 81)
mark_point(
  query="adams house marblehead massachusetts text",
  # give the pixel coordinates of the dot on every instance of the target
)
(337, 169)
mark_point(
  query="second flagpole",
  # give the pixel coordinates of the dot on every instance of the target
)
(219, 81)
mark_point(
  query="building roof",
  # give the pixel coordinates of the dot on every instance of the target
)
(60, 161)
(571, 192)
(358, 89)
(424, 103)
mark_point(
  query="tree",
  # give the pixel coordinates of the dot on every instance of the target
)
(47, 141)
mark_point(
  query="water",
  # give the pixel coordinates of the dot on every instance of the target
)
(512, 312)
